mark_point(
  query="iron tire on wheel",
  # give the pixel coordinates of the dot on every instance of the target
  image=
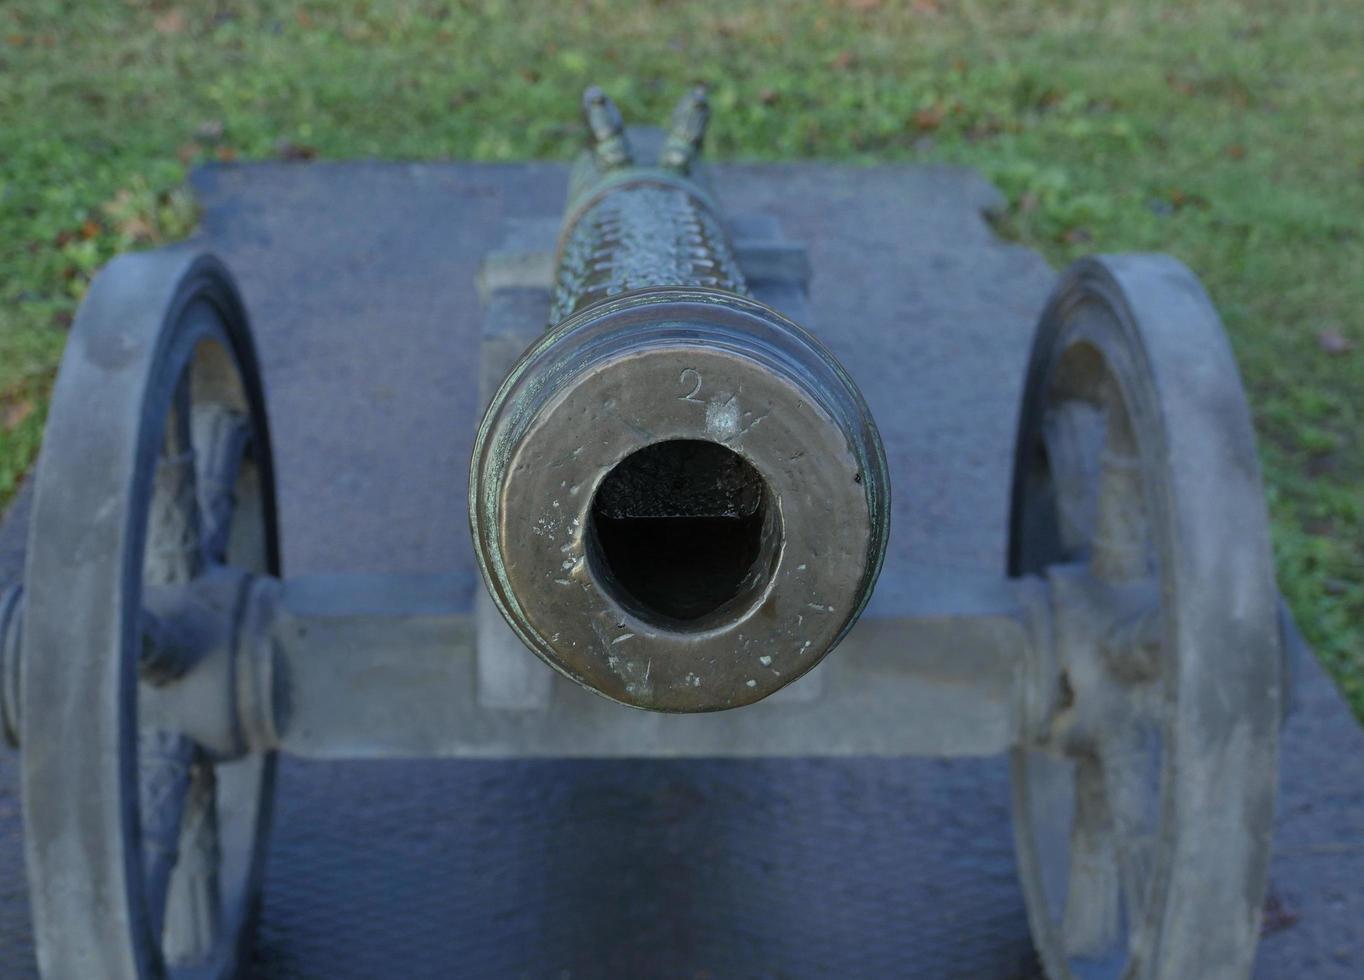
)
(1143, 845)
(160, 348)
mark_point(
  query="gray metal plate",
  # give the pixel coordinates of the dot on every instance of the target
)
(361, 282)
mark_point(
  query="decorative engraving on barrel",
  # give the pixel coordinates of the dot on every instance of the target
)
(635, 227)
(684, 377)
(639, 237)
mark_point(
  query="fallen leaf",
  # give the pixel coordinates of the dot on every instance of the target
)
(1334, 342)
(843, 60)
(927, 120)
(226, 154)
(1278, 916)
(769, 96)
(171, 22)
(15, 414)
(289, 150)
(136, 228)
(90, 229)
(1236, 151)
(188, 152)
(1179, 85)
(1180, 199)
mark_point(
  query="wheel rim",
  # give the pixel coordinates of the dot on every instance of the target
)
(128, 827)
(1142, 814)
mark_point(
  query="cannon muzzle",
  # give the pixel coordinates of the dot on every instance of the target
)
(678, 497)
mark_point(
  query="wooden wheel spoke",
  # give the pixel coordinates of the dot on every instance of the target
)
(194, 913)
(1091, 918)
(1131, 771)
(164, 763)
(1113, 842)
(1121, 546)
(1072, 431)
(180, 850)
(222, 436)
(174, 551)
(1132, 647)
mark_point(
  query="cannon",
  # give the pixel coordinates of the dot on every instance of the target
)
(738, 506)
(679, 502)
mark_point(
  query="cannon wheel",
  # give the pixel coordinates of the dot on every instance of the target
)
(144, 854)
(1143, 805)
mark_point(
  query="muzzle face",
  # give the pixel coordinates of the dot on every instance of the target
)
(679, 500)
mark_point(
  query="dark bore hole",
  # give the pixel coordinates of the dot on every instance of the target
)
(683, 529)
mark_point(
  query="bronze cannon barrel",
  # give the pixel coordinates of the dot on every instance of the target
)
(678, 497)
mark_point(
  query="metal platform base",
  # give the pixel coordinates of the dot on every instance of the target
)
(361, 279)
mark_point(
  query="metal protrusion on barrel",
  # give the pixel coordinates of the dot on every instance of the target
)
(11, 624)
(606, 129)
(687, 131)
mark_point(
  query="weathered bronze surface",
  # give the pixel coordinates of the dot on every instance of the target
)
(678, 496)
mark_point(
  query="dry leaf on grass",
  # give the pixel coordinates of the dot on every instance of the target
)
(171, 22)
(15, 413)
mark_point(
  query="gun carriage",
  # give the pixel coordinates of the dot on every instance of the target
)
(680, 502)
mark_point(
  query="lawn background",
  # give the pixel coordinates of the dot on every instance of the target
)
(1228, 133)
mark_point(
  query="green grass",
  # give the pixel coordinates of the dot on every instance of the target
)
(1230, 134)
